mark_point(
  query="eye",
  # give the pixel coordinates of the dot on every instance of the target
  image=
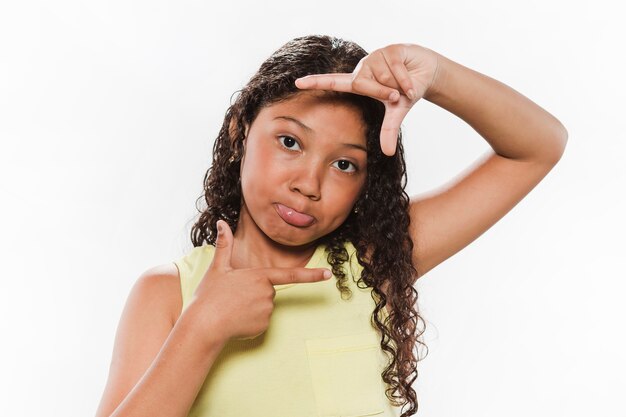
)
(289, 142)
(343, 166)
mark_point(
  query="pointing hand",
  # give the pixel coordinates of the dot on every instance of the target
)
(238, 303)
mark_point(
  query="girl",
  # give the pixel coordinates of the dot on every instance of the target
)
(308, 176)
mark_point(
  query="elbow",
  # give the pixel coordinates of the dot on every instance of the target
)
(562, 141)
(559, 140)
(563, 134)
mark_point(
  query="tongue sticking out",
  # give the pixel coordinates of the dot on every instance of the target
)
(293, 217)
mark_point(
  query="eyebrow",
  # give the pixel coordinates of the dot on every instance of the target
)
(309, 130)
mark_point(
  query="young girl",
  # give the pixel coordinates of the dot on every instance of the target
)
(308, 177)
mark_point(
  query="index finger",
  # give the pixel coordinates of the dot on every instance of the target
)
(335, 82)
(280, 276)
(344, 82)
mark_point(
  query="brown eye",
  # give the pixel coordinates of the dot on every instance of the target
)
(344, 165)
(289, 142)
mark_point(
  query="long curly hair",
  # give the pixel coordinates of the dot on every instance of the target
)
(378, 228)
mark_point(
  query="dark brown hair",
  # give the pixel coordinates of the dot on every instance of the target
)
(378, 230)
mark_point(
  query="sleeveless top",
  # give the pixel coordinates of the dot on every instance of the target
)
(319, 357)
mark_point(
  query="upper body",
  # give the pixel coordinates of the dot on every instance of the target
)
(305, 167)
(320, 354)
(163, 282)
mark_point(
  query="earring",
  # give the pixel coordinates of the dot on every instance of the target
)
(235, 156)
(356, 208)
(232, 158)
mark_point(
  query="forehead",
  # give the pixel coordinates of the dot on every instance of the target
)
(319, 110)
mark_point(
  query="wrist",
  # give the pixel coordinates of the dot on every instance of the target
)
(439, 78)
(203, 325)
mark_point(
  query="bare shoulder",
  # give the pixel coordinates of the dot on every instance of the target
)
(150, 313)
(163, 282)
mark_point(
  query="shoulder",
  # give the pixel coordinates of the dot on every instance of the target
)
(161, 285)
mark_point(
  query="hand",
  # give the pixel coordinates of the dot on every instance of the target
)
(383, 75)
(238, 303)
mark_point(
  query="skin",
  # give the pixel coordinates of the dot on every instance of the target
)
(318, 175)
(526, 141)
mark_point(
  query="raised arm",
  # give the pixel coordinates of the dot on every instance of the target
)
(526, 141)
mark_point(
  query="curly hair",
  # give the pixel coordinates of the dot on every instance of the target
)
(379, 227)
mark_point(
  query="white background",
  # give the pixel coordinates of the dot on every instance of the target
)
(108, 112)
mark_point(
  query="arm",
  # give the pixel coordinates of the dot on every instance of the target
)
(160, 362)
(514, 126)
(527, 142)
(157, 369)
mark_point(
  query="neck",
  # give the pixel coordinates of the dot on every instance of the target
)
(254, 249)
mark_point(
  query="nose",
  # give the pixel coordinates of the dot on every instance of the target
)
(306, 181)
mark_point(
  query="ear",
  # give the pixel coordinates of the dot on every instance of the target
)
(244, 145)
(232, 129)
(246, 129)
(245, 137)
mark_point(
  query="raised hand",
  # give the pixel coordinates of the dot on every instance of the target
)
(384, 74)
(238, 303)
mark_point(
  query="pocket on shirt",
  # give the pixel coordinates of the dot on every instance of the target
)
(346, 375)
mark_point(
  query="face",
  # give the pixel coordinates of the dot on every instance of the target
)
(303, 168)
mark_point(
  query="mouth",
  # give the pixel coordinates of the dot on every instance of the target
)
(293, 217)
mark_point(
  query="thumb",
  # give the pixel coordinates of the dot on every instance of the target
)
(223, 245)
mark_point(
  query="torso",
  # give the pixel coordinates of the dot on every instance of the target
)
(172, 294)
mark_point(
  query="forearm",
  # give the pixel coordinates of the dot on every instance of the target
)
(512, 124)
(171, 384)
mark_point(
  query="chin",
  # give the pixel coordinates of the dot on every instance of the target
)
(292, 241)
(294, 237)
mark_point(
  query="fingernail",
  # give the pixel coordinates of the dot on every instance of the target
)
(411, 94)
(220, 230)
(394, 96)
(327, 274)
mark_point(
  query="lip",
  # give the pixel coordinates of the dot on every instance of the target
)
(293, 217)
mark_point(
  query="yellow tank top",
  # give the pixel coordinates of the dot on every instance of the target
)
(319, 357)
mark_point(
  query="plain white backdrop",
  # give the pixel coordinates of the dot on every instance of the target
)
(108, 112)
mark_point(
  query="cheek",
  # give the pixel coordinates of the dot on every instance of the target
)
(261, 174)
(252, 184)
(340, 200)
